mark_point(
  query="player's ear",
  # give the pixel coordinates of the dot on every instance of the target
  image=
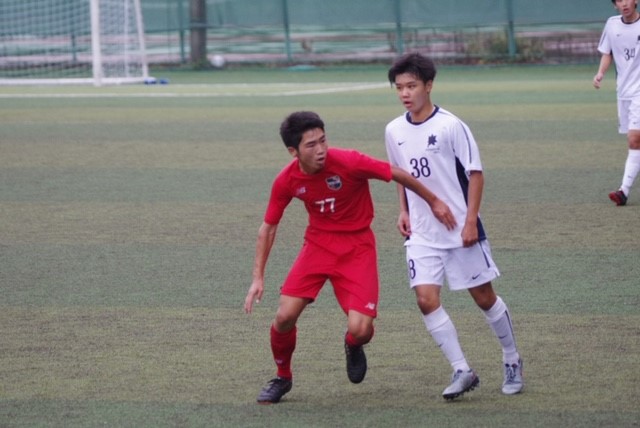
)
(293, 152)
(429, 85)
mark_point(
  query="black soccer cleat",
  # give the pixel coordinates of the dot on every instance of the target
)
(356, 363)
(274, 390)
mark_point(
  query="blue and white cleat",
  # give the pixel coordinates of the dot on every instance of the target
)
(513, 382)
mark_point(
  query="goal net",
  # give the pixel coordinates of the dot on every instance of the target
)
(71, 41)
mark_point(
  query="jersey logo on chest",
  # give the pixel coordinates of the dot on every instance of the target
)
(334, 182)
(432, 144)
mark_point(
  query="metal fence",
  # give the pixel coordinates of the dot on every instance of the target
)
(309, 31)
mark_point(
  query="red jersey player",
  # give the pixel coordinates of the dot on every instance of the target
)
(339, 244)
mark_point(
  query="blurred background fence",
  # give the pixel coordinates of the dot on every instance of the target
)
(311, 31)
(288, 32)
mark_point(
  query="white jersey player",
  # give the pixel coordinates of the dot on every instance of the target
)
(620, 43)
(439, 150)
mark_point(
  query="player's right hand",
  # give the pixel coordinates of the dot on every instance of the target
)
(403, 224)
(597, 80)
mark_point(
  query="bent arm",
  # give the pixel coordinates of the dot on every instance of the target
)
(407, 180)
(266, 238)
(440, 210)
(605, 63)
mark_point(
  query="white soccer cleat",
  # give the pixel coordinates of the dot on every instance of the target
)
(513, 382)
(461, 382)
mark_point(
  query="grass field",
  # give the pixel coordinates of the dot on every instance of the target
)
(128, 218)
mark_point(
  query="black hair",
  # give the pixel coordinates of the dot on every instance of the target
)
(296, 124)
(413, 63)
(614, 2)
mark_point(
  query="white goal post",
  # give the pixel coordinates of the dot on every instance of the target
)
(57, 42)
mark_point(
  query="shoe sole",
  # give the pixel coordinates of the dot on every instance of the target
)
(471, 387)
(513, 393)
(267, 402)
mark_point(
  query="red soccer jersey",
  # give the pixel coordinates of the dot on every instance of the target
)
(337, 198)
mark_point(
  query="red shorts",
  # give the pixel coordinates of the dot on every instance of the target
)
(348, 260)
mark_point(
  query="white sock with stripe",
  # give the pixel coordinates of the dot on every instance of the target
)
(499, 320)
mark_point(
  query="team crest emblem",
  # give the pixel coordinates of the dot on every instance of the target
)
(334, 183)
(432, 144)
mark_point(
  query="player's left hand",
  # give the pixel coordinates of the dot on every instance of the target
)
(469, 235)
(253, 295)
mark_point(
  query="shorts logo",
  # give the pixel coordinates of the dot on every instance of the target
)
(370, 306)
(334, 183)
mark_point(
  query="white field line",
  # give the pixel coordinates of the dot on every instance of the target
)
(240, 93)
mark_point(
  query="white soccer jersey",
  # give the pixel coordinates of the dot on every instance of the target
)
(440, 152)
(622, 41)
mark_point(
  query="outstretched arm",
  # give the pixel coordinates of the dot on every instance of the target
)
(440, 210)
(605, 62)
(266, 237)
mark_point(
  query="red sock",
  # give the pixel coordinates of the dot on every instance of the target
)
(282, 347)
(352, 341)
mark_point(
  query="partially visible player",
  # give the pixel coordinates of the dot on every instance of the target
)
(620, 44)
(439, 149)
(339, 244)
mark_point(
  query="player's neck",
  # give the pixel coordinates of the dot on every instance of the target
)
(423, 114)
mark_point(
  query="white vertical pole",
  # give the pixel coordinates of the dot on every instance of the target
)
(125, 31)
(143, 47)
(96, 52)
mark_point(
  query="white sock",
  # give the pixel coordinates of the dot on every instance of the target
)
(445, 334)
(500, 322)
(631, 169)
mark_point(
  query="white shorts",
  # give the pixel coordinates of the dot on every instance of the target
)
(463, 268)
(628, 115)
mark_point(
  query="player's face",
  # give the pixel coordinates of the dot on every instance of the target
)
(312, 152)
(414, 94)
(627, 8)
